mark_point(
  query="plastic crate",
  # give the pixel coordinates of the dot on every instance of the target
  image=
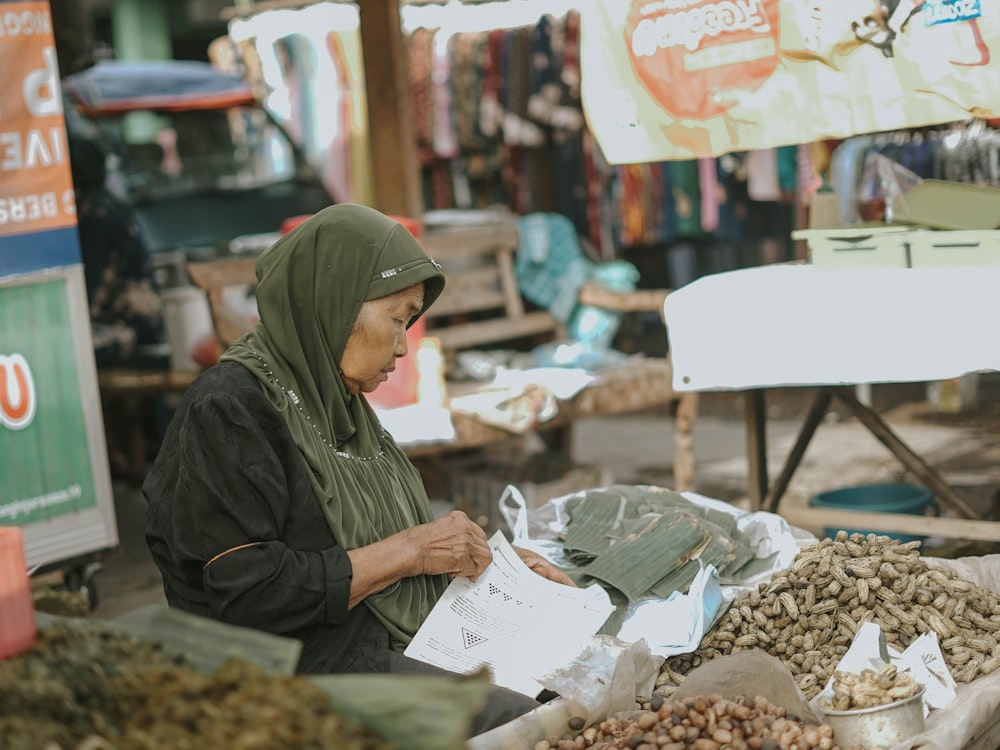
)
(972, 247)
(858, 246)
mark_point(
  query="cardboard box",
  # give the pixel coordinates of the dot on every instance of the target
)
(858, 246)
(936, 224)
(944, 205)
(937, 249)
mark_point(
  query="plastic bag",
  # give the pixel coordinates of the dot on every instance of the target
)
(884, 183)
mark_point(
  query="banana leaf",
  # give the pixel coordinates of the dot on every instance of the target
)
(616, 619)
(722, 551)
(664, 543)
(739, 556)
(413, 712)
(678, 580)
(592, 522)
(657, 499)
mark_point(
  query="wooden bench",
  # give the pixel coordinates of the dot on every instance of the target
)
(216, 277)
(124, 394)
(481, 307)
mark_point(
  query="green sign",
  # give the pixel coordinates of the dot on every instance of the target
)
(45, 463)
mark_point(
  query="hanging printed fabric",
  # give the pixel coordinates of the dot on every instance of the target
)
(678, 79)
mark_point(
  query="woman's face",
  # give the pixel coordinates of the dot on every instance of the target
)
(378, 338)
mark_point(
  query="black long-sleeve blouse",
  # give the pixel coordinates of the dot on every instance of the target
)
(229, 474)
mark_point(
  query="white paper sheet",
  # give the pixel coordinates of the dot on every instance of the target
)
(511, 619)
(414, 424)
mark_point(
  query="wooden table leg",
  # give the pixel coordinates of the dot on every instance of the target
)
(812, 420)
(684, 417)
(756, 431)
(875, 424)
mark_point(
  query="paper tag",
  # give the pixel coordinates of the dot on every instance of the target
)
(950, 11)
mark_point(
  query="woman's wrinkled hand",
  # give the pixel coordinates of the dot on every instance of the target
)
(543, 567)
(453, 544)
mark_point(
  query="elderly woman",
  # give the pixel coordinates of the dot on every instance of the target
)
(278, 501)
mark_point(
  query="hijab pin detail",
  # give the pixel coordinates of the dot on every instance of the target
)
(292, 395)
(389, 272)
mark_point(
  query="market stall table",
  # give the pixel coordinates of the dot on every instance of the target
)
(775, 326)
(629, 387)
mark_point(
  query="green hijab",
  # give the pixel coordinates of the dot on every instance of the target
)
(311, 285)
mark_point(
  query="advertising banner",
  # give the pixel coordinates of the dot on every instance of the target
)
(37, 207)
(54, 475)
(55, 481)
(42, 429)
(677, 79)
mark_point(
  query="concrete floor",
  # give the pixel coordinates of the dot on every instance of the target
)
(638, 450)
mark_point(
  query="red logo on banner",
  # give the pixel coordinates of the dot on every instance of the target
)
(699, 57)
(17, 392)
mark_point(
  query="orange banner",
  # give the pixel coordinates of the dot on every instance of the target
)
(36, 188)
(677, 79)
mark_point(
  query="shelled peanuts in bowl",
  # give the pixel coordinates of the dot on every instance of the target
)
(874, 709)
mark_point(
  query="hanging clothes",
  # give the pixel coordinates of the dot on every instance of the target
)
(474, 84)
(338, 158)
(762, 175)
(966, 152)
(345, 48)
(687, 197)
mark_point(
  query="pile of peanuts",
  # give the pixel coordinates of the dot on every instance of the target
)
(807, 615)
(869, 689)
(702, 723)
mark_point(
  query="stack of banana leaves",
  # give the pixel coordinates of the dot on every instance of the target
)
(640, 542)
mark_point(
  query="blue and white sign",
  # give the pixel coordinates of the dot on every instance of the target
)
(951, 11)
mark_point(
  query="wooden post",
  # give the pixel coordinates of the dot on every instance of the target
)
(684, 417)
(756, 435)
(814, 416)
(396, 181)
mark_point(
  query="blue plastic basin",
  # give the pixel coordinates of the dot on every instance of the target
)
(909, 499)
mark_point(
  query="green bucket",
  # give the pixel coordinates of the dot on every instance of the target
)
(909, 499)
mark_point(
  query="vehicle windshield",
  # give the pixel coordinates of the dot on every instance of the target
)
(171, 154)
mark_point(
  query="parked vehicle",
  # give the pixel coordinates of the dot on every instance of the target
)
(189, 149)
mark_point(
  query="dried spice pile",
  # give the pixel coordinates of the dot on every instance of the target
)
(60, 602)
(82, 685)
(807, 616)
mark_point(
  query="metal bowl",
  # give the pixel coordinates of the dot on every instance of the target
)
(881, 726)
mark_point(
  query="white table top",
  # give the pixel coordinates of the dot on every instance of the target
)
(801, 325)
